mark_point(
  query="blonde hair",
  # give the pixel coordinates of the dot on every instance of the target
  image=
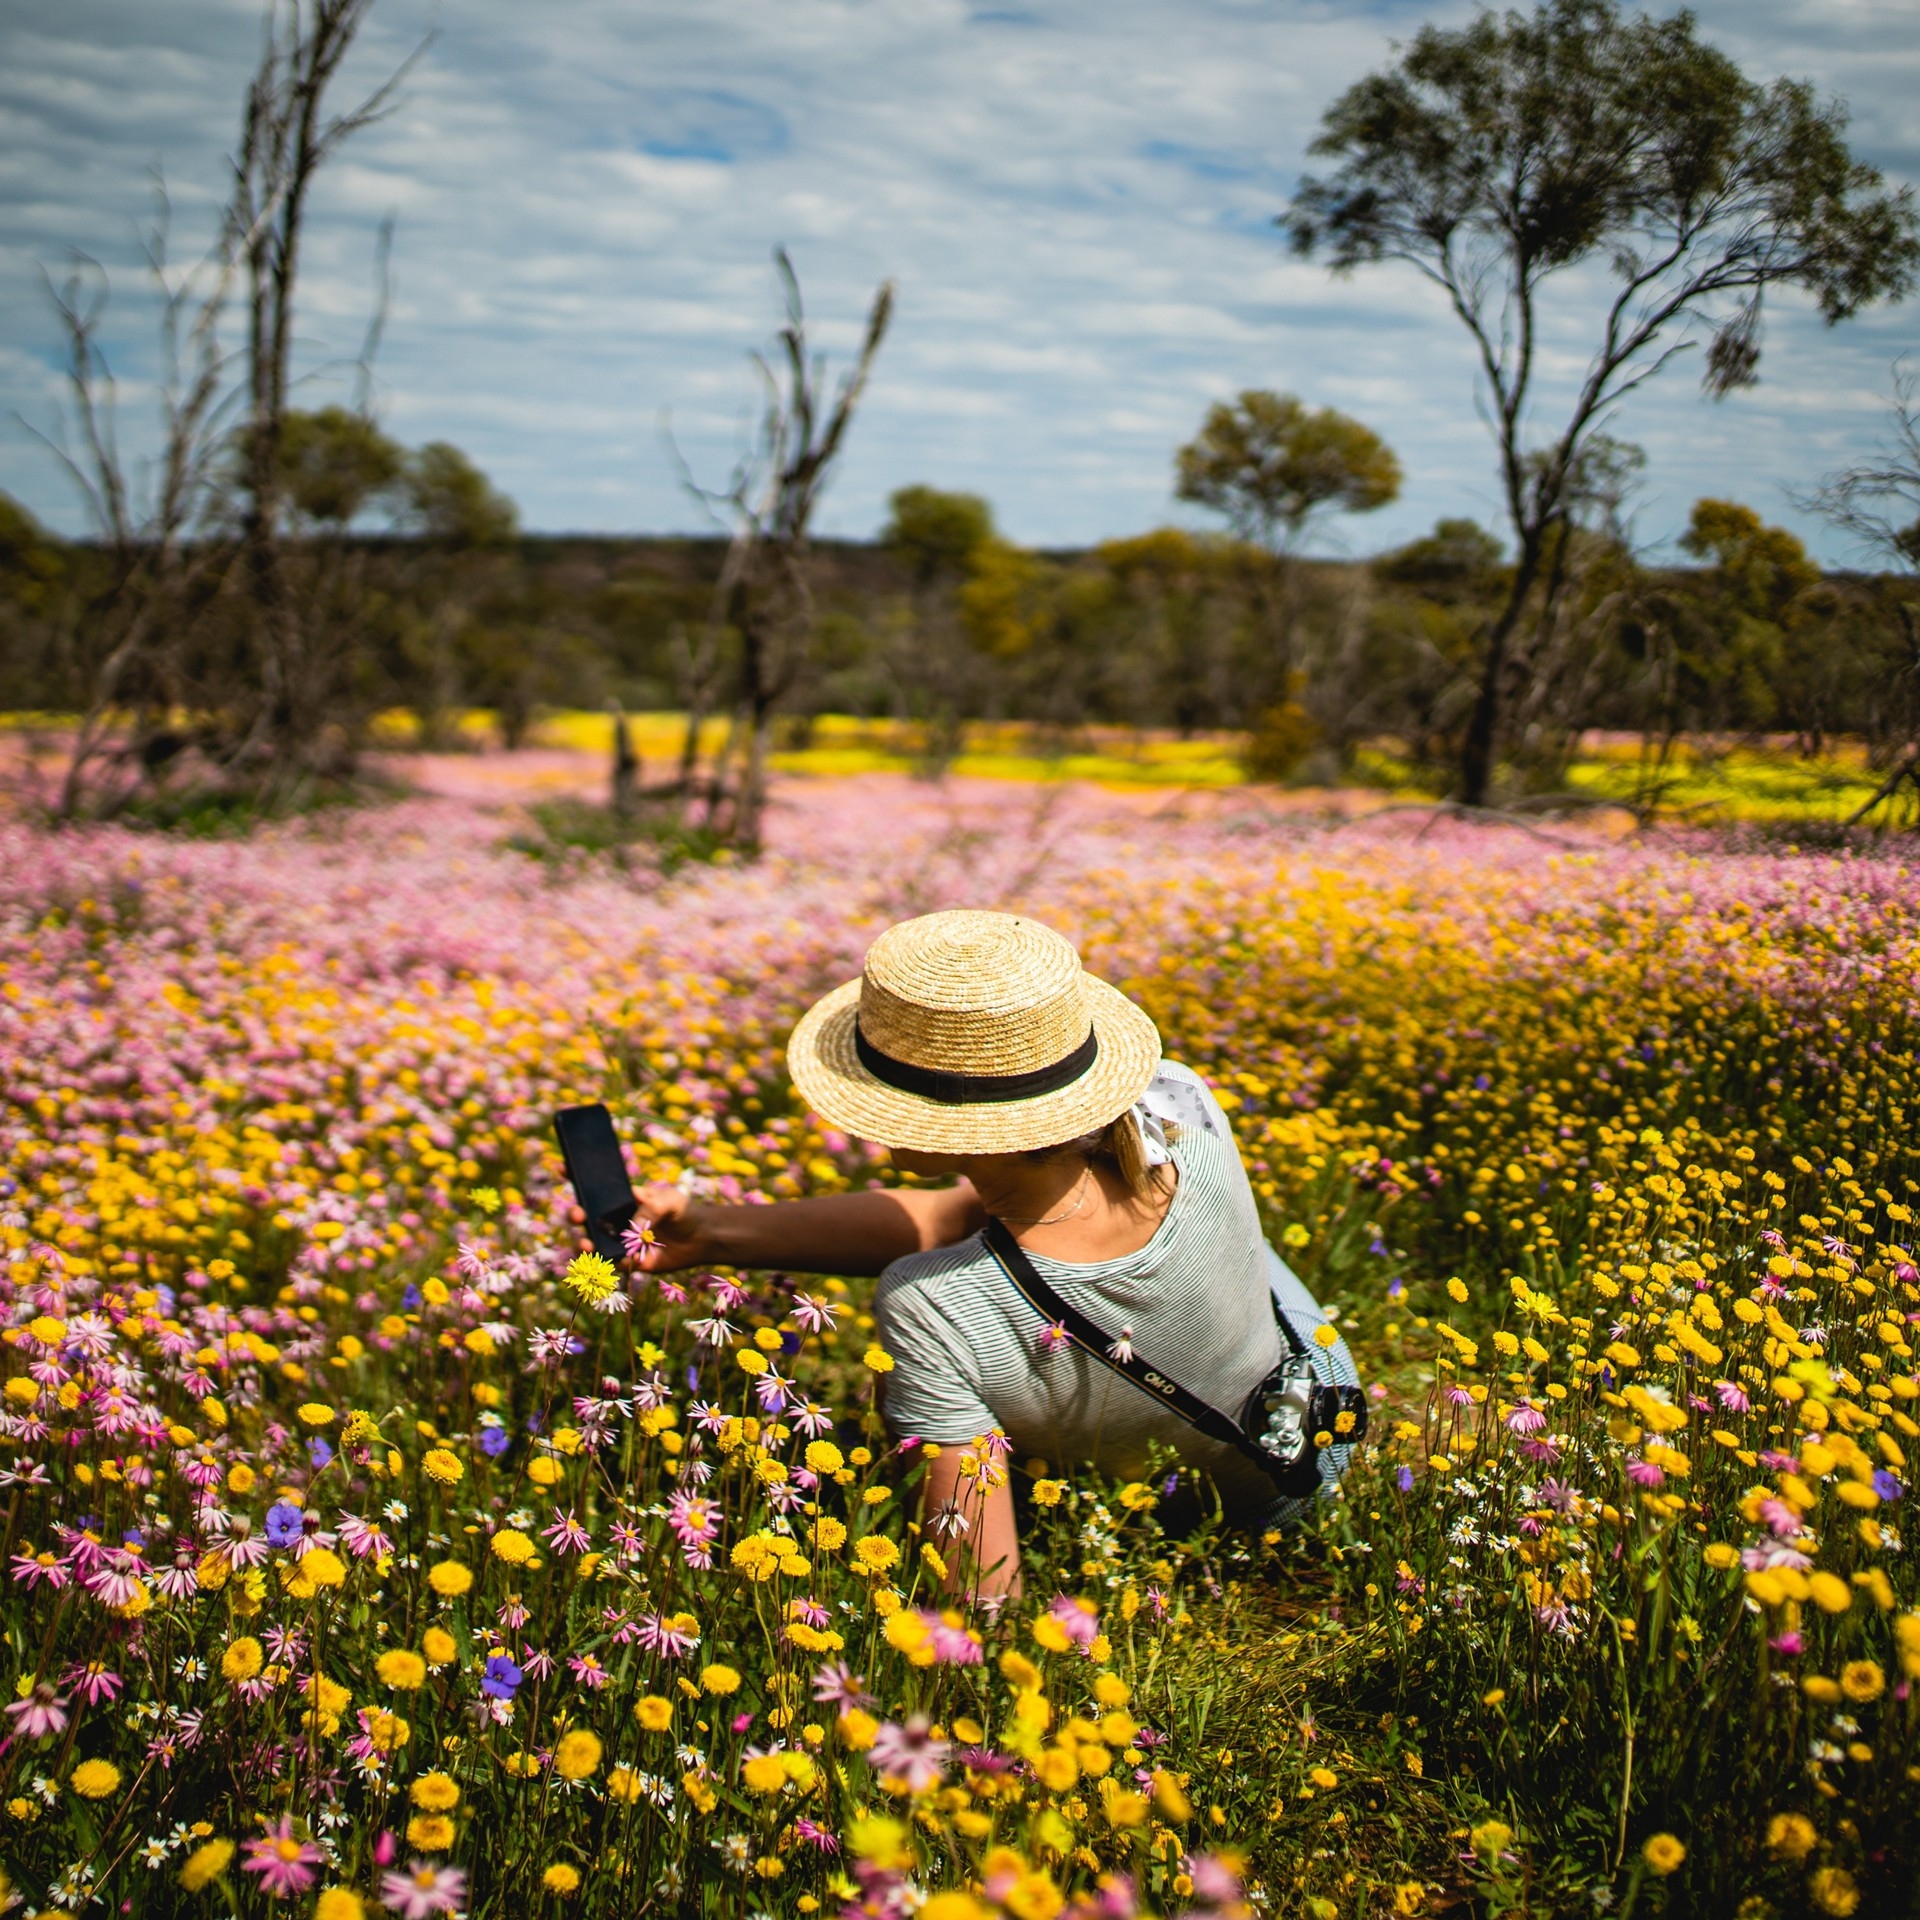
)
(1118, 1143)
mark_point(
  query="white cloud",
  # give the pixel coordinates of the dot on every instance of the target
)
(1076, 201)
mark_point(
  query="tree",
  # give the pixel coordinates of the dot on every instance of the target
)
(1498, 157)
(335, 465)
(939, 538)
(1271, 466)
(1457, 553)
(287, 137)
(1878, 503)
(128, 641)
(1759, 569)
(764, 593)
(451, 503)
(936, 534)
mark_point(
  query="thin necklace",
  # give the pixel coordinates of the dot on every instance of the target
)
(1014, 1220)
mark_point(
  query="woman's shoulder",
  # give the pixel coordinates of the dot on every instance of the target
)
(930, 1274)
(1179, 1095)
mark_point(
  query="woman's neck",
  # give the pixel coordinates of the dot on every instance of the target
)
(1069, 1209)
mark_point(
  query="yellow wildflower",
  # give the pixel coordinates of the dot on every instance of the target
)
(449, 1579)
(1791, 1836)
(591, 1277)
(243, 1659)
(1663, 1854)
(576, 1755)
(94, 1779)
(401, 1669)
(205, 1864)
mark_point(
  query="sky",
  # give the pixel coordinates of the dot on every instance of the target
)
(1075, 199)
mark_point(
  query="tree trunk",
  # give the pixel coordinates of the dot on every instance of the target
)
(1483, 727)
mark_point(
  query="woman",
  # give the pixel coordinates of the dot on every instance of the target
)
(974, 1045)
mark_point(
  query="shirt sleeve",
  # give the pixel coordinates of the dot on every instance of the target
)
(931, 1393)
(1180, 1095)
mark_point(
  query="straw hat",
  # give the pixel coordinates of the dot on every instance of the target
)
(972, 1033)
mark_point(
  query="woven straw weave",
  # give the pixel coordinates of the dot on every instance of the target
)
(981, 993)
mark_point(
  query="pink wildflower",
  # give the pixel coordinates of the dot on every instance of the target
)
(566, 1533)
(41, 1713)
(812, 1313)
(31, 1569)
(115, 1585)
(362, 1538)
(285, 1865)
(838, 1685)
(658, 1633)
(95, 1680)
(1078, 1619)
(1784, 1521)
(909, 1753)
(695, 1521)
(952, 1646)
(1768, 1554)
(423, 1890)
(181, 1580)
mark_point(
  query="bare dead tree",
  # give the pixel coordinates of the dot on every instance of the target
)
(1878, 504)
(287, 137)
(134, 629)
(1878, 501)
(764, 593)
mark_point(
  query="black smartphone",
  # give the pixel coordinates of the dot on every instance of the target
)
(598, 1173)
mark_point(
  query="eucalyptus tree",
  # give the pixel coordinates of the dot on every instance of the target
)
(1623, 161)
(1272, 467)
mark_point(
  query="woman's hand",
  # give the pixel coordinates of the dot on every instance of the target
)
(681, 1228)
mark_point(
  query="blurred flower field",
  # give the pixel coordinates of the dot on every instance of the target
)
(369, 1551)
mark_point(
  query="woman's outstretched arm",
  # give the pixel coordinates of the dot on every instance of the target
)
(850, 1233)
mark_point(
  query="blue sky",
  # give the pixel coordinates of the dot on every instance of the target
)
(1075, 198)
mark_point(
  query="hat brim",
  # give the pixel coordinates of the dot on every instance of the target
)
(827, 1071)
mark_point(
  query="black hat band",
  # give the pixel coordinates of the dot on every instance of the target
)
(952, 1089)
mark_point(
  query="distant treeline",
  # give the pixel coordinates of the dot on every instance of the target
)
(941, 621)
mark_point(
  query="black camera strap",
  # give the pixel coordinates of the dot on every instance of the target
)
(1299, 1480)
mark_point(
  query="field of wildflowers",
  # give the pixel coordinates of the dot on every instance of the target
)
(368, 1549)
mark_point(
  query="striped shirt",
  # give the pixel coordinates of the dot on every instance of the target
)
(967, 1347)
